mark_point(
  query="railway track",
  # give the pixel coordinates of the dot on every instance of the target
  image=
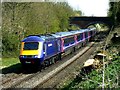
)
(8, 79)
(68, 73)
(11, 81)
(53, 76)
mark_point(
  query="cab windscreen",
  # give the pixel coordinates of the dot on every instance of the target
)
(31, 45)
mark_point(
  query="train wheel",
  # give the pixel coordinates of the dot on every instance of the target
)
(42, 65)
(56, 58)
(74, 49)
(52, 60)
(47, 63)
(59, 56)
(83, 44)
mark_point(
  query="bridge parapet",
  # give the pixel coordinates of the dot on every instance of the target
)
(84, 22)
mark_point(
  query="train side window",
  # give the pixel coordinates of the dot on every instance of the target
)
(68, 41)
(86, 34)
(71, 40)
(80, 37)
(44, 49)
(91, 33)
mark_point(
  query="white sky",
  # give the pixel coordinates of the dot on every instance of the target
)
(91, 7)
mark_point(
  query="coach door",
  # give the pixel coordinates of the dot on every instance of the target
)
(58, 45)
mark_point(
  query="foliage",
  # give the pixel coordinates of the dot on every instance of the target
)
(114, 11)
(22, 19)
(94, 79)
(10, 44)
(78, 13)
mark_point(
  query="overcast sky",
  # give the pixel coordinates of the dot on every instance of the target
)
(91, 7)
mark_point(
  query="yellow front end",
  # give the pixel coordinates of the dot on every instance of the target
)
(28, 52)
(31, 52)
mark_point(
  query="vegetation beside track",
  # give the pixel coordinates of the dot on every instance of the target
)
(7, 62)
(94, 79)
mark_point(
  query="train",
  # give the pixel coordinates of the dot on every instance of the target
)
(45, 49)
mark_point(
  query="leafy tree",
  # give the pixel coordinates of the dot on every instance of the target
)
(114, 11)
(23, 19)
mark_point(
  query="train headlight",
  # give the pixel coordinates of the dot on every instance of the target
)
(36, 56)
(21, 56)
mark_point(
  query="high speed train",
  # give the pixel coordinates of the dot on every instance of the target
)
(46, 49)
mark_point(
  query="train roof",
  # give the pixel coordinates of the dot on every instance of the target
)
(46, 37)
(41, 37)
(63, 34)
(92, 29)
(32, 39)
(79, 31)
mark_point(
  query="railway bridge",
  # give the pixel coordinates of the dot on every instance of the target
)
(84, 22)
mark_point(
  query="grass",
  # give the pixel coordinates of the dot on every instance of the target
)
(7, 62)
(10, 65)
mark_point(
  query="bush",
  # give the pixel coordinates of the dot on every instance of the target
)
(10, 45)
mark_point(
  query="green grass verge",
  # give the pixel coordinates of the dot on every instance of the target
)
(7, 62)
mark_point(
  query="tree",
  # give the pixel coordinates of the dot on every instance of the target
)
(23, 19)
(114, 11)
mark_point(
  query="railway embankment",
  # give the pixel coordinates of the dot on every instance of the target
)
(106, 74)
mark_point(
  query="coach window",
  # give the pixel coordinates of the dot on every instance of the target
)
(68, 41)
(72, 40)
(91, 33)
(78, 37)
(86, 34)
(81, 36)
(45, 49)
